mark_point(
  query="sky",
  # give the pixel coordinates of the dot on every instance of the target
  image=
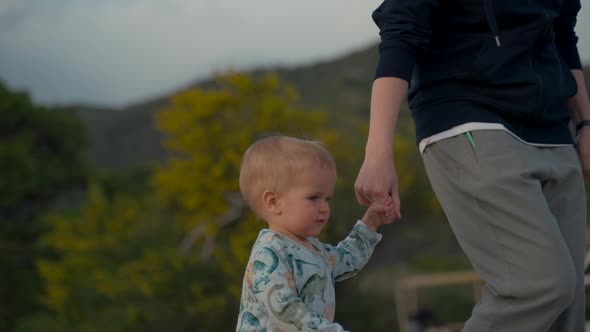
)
(118, 52)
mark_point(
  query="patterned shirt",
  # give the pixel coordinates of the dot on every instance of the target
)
(288, 287)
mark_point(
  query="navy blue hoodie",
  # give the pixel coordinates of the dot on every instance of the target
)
(500, 61)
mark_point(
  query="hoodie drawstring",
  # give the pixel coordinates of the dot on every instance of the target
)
(491, 18)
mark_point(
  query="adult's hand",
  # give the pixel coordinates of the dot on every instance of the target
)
(377, 179)
(377, 182)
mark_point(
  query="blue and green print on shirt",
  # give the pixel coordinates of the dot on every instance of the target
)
(288, 287)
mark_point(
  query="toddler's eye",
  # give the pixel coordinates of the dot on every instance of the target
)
(313, 198)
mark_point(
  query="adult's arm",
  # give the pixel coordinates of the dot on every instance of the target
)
(377, 178)
(566, 41)
(579, 106)
(565, 36)
(405, 31)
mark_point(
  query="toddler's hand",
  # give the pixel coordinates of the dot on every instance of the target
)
(379, 213)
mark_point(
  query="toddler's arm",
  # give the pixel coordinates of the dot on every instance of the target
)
(352, 253)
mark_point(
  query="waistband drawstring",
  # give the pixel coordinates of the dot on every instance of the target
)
(491, 18)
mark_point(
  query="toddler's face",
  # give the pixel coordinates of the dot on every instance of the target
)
(305, 206)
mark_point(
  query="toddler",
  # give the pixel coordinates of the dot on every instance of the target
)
(289, 279)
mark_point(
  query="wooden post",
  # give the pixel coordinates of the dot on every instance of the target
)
(401, 309)
(406, 290)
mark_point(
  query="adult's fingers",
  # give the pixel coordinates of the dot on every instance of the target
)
(361, 197)
(367, 191)
(396, 203)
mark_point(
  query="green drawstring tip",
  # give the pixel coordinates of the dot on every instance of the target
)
(471, 141)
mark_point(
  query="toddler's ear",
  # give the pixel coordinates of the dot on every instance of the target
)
(271, 202)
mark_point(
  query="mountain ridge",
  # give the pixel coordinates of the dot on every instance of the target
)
(127, 136)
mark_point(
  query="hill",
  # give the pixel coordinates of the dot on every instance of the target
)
(126, 137)
(341, 86)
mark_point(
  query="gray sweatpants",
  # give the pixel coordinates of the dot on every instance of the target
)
(519, 214)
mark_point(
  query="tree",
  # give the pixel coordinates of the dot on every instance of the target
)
(40, 160)
(118, 268)
(208, 131)
(144, 261)
(172, 255)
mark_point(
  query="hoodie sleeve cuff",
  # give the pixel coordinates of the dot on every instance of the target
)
(396, 62)
(374, 237)
(571, 56)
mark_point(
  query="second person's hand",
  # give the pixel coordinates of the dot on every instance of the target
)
(377, 182)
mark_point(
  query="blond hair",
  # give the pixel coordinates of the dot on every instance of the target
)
(271, 163)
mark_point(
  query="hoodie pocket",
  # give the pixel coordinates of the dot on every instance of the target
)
(505, 77)
(448, 58)
(479, 63)
(500, 64)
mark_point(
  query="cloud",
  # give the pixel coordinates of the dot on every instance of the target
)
(120, 51)
(117, 51)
